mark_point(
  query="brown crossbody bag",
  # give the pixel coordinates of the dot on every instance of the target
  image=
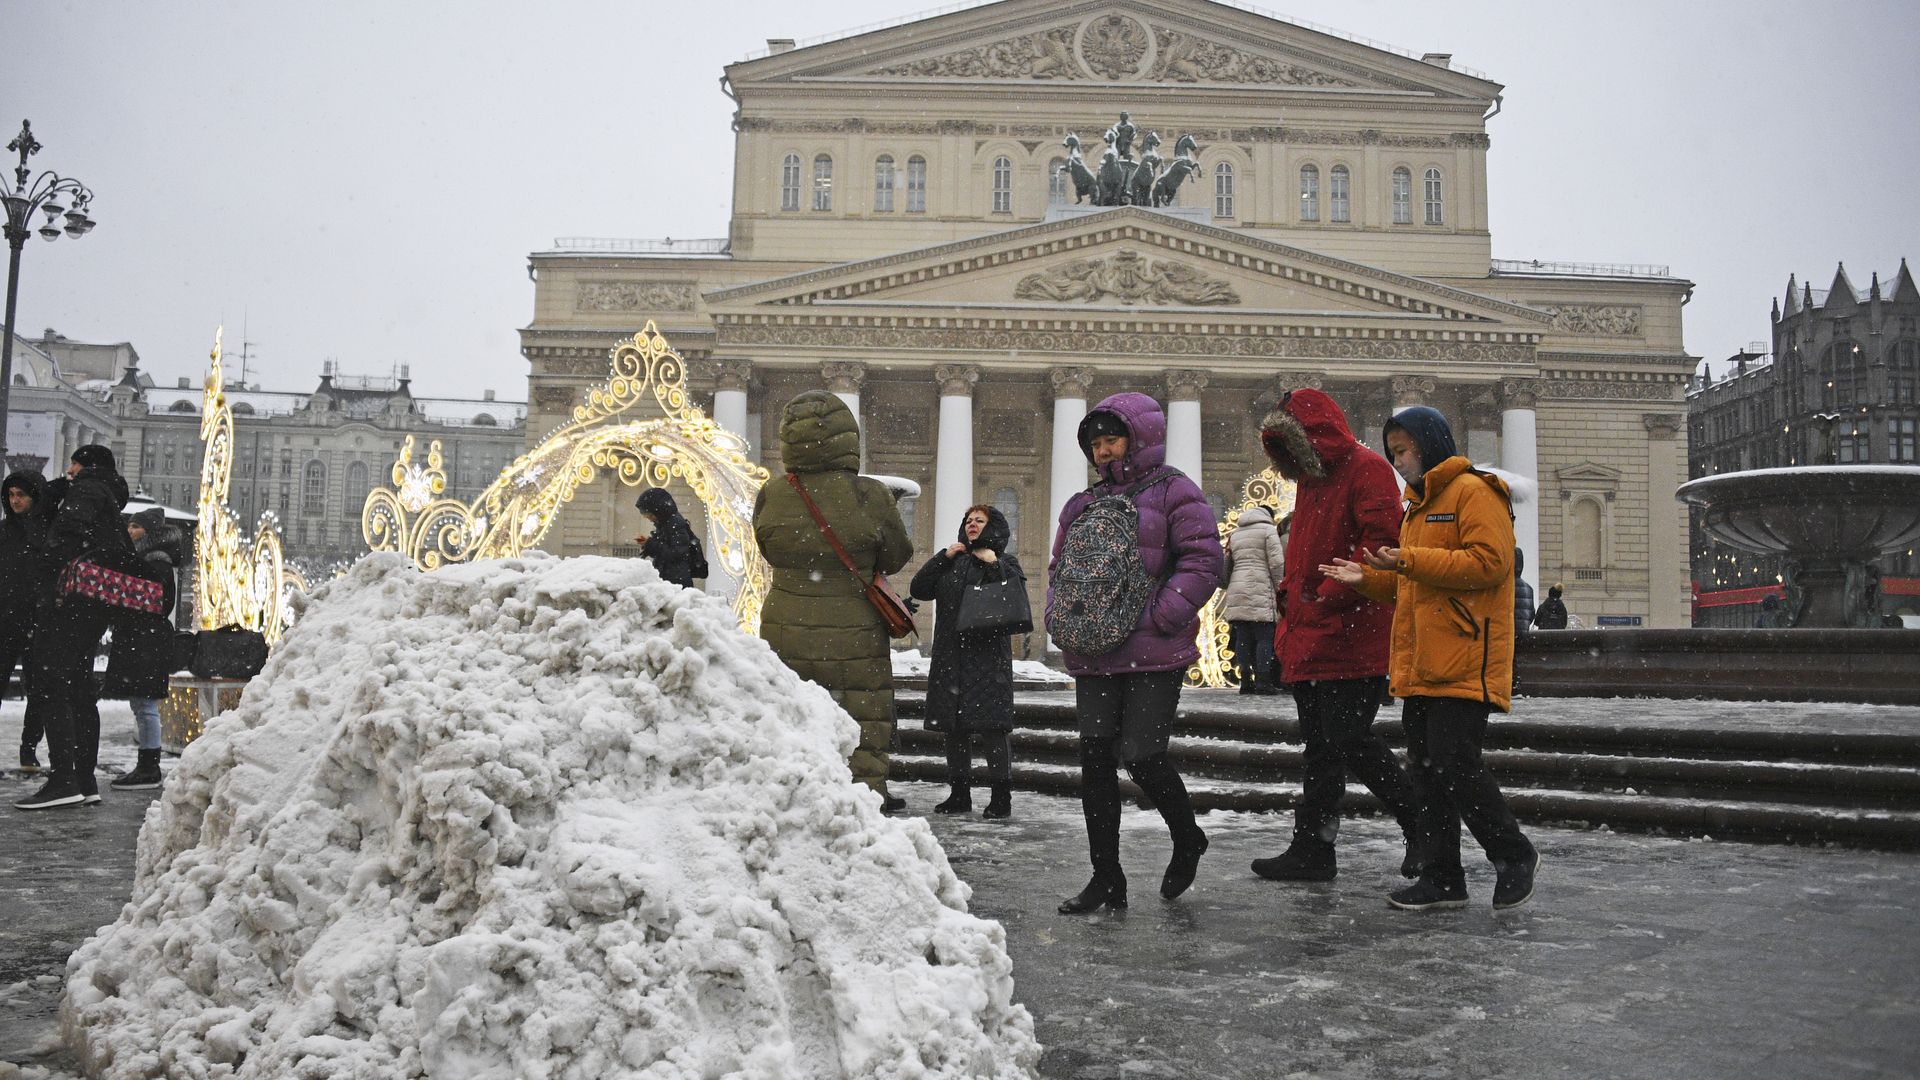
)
(893, 610)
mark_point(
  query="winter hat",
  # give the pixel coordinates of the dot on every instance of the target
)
(94, 456)
(1105, 423)
(1429, 432)
(152, 519)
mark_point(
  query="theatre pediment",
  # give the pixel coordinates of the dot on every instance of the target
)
(1128, 258)
(1119, 42)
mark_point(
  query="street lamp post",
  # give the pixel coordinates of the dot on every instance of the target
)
(23, 200)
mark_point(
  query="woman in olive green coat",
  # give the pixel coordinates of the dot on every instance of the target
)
(817, 616)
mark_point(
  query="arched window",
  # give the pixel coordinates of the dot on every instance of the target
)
(358, 486)
(822, 182)
(1008, 501)
(916, 185)
(1903, 372)
(1583, 535)
(1059, 184)
(182, 406)
(1309, 193)
(1002, 186)
(1402, 197)
(1339, 188)
(241, 408)
(1435, 212)
(1223, 190)
(790, 182)
(883, 184)
(485, 420)
(313, 488)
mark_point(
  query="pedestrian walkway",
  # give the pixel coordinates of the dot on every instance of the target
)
(1639, 957)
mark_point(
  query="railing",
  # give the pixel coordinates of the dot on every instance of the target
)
(963, 5)
(1536, 266)
(669, 246)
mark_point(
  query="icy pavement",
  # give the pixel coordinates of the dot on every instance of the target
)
(1639, 956)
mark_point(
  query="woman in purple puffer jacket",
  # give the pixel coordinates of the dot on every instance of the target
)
(1126, 697)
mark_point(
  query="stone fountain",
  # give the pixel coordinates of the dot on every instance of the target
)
(1830, 522)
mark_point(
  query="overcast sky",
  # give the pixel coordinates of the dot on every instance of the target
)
(362, 181)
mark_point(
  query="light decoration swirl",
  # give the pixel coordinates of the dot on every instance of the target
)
(1215, 667)
(416, 518)
(241, 582)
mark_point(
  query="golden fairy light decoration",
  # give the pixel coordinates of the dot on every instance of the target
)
(1215, 667)
(416, 518)
(241, 582)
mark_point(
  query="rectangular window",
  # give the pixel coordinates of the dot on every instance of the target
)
(883, 186)
(1309, 194)
(790, 183)
(1901, 435)
(1002, 186)
(1435, 215)
(1402, 197)
(916, 185)
(1223, 191)
(1853, 449)
(823, 183)
(1339, 205)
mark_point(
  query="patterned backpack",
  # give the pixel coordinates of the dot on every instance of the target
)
(1100, 586)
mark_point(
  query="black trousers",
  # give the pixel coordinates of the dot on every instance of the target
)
(63, 650)
(1336, 723)
(1444, 737)
(1121, 715)
(995, 746)
(16, 649)
(1252, 645)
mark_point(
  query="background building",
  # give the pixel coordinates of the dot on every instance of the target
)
(1841, 386)
(900, 236)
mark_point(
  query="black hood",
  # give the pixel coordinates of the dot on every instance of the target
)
(994, 537)
(658, 502)
(1430, 433)
(30, 482)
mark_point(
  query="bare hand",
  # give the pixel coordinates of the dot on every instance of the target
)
(955, 549)
(986, 555)
(1343, 571)
(1381, 558)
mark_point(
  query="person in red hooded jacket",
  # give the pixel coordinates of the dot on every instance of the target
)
(1332, 641)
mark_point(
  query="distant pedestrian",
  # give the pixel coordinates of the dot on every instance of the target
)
(1333, 640)
(140, 662)
(1552, 614)
(26, 591)
(970, 682)
(1522, 594)
(672, 547)
(88, 523)
(817, 616)
(1126, 694)
(1452, 665)
(1255, 565)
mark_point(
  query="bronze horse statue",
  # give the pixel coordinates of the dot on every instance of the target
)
(1085, 184)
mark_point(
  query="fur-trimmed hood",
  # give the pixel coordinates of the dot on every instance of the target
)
(1309, 429)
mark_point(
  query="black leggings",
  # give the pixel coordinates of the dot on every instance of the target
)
(995, 746)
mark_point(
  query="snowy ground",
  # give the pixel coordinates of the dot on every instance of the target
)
(910, 664)
(1639, 957)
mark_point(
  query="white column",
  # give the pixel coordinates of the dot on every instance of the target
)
(1519, 454)
(953, 467)
(845, 379)
(1070, 386)
(730, 412)
(1668, 592)
(1408, 391)
(1183, 420)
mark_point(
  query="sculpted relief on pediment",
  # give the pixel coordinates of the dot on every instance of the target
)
(1116, 48)
(1130, 278)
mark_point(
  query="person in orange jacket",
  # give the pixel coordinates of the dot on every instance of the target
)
(1450, 654)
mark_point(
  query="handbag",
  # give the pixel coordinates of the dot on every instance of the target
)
(114, 588)
(996, 607)
(893, 610)
(231, 652)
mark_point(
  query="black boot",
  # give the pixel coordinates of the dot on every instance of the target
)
(1100, 892)
(1001, 804)
(1157, 777)
(1307, 859)
(1100, 805)
(960, 802)
(144, 775)
(61, 789)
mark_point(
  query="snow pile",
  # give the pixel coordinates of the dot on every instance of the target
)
(530, 819)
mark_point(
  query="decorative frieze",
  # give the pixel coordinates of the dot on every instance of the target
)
(1621, 320)
(1189, 58)
(1129, 277)
(637, 296)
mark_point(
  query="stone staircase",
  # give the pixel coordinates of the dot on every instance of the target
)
(1681, 769)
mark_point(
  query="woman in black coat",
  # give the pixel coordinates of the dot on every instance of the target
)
(26, 591)
(140, 664)
(672, 547)
(970, 684)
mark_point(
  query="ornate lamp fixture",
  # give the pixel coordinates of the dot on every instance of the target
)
(62, 200)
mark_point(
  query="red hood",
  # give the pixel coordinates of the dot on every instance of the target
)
(1311, 418)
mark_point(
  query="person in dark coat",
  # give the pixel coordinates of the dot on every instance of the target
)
(672, 547)
(140, 664)
(970, 683)
(1522, 595)
(1332, 640)
(1127, 697)
(88, 523)
(26, 590)
(817, 616)
(1551, 615)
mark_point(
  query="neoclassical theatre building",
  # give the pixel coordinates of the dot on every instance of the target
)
(904, 234)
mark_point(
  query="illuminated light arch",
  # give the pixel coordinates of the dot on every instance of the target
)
(416, 519)
(1215, 667)
(241, 582)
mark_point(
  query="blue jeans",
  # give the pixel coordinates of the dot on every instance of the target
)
(146, 722)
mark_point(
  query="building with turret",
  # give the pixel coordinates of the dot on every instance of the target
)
(1839, 385)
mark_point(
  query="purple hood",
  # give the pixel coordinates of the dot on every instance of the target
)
(1179, 546)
